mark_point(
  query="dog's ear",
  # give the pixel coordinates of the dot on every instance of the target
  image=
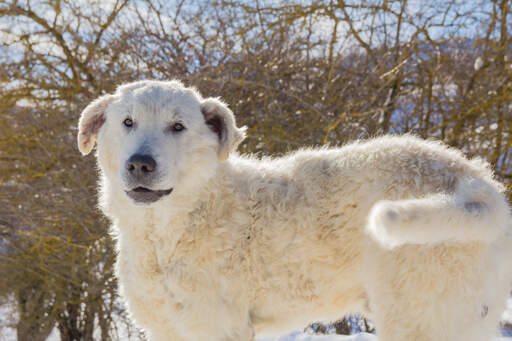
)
(91, 120)
(221, 121)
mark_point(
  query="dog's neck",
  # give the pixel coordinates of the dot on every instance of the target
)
(171, 215)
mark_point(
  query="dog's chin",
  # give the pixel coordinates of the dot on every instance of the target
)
(145, 196)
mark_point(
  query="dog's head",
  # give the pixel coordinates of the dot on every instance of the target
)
(157, 137)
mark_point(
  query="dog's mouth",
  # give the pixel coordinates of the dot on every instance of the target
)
(146, 195)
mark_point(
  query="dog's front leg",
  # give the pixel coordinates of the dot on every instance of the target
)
(217, 328)
(164, 335)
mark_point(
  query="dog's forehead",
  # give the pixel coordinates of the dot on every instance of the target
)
(161, 101)
(163, 94)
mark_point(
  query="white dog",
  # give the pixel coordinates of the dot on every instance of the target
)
(217, 246)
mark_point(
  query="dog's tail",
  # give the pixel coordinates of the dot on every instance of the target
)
(476, 211)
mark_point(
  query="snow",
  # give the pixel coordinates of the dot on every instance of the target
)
(298, 336)
(8, 332)
(479, 62)
(7, 320)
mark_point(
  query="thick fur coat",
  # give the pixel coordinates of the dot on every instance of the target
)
(218, 246)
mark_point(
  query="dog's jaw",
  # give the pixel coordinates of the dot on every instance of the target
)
(143, 195)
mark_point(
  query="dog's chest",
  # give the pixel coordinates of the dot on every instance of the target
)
(155, 291)
(166, 276)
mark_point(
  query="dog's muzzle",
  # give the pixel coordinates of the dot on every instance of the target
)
(141, 170)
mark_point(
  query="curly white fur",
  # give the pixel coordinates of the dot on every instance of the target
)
(408, 228)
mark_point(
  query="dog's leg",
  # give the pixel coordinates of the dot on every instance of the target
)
(197, 331)
(440, 293)
(216, 321)
(164, 336)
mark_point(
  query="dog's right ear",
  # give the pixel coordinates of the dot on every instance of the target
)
(91, 120)
(221, 121)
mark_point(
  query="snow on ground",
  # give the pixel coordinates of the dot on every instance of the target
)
(8, 333)
(7, 320)
(298, 336)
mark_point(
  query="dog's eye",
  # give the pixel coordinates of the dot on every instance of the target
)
(128, 122)
(177, 127)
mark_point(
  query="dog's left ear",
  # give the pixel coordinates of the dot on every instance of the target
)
(221, 121)
(91, 120)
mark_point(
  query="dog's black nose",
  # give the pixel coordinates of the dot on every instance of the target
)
(141, 165)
